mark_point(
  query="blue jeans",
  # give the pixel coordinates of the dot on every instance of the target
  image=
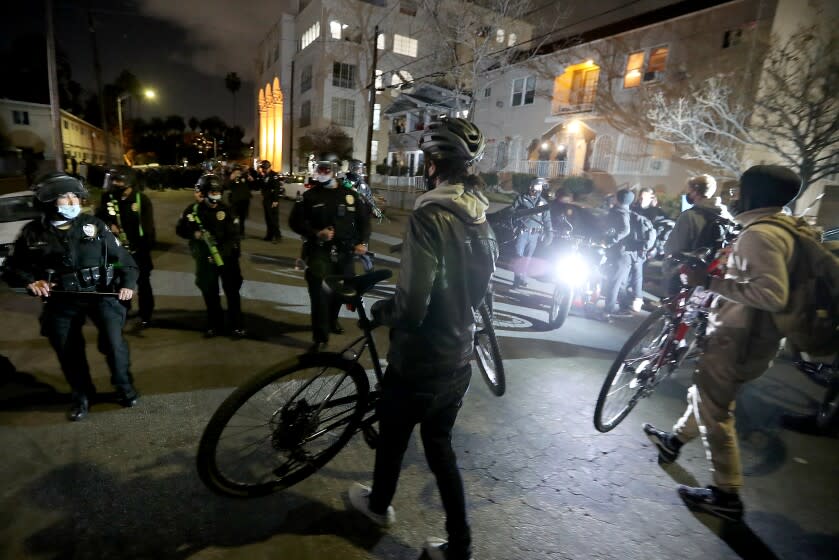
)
(433, 404)
(525, 247)
(624, 267)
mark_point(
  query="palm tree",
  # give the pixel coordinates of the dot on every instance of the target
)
(193, 123)
(233, 83)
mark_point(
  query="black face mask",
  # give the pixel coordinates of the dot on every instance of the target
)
(430, 182)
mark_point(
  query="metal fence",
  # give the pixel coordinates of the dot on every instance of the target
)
(542, 168)
(399, 192)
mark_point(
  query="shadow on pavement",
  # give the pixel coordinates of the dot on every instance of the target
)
(163, 511)
(19, 389)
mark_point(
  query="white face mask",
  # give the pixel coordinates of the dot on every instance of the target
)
(214, 197)
(69, 211)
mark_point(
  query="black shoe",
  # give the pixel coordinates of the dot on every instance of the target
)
(145, 324)
(80, 407)
(667, 444)
(236, 334)
(801, 423)
(127, 396)
(337, 328)
(316, 347)
(210, 333)
(713, 501)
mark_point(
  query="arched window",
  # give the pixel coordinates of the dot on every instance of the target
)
(604, 153)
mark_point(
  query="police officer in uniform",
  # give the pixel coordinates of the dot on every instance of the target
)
(67, 258)
(355, 180)
(213, 233)
(129, 214)
(239, 185)
(532, 228)
(335, 225)
(272, 189)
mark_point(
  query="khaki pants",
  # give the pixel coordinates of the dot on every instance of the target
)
(732, 357)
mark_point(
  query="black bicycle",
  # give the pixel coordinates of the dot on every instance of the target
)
(285, 423)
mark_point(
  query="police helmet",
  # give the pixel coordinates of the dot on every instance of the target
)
(538, 184)
(52, 186)
(356, 166)
(265, 164)
(208, 183)
(451, 138)
(116, 175)
(323, 172)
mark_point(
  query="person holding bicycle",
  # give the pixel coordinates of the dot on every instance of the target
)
(212, 229)
(449, 255)
(742, 337)
(70, 259)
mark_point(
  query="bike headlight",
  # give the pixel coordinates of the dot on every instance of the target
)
(571, 269)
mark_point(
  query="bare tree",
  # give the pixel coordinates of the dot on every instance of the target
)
(794, 114)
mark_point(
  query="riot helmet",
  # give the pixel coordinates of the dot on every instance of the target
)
(116, 180)
(52, 186)
(537, 186)
(357, 166)
(323, 172)
(265, 165)
(210, 183)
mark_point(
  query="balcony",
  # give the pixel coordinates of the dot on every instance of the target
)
(540, 168)
(575, 89)
(579, 101)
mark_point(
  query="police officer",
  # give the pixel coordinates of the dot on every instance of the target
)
(129, 214)
(355, 180)
(532, 228)
(272, 188)
(335, 225)
(239, 186)
(67, 258)
(213, 233)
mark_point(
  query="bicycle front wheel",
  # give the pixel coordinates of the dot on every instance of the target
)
(282, 425)
(488, 353)
(634, 371)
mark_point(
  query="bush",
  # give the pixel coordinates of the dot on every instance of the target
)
(490, 178)
(521, 182)
(578, 186)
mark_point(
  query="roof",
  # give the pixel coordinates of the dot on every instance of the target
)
(423, 95)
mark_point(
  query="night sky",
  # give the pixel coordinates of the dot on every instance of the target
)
(184, 48)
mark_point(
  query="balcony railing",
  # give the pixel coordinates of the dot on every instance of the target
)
(580, 100)
(543, 168)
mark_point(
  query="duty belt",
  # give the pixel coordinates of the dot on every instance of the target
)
(86, 279)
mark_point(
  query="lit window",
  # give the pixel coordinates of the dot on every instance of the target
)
(380, 41)
(335, 29)
(511, 39)
(657, 60)
(343, 111)
(499, 36)
(343, 75)
(310, 35)
(404, 45)
(634, 64)
(524, 91)
(379, 83)
(374, 150)
(377, 117)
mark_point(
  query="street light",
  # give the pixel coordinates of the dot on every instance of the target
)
(148, 93)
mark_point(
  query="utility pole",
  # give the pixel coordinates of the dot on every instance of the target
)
(55, 107)
(372, 103)
(97, 67)
(291, 124)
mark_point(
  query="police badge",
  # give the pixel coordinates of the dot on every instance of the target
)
(220, 215)
(134, 207)
(89, 230)
(350, 199)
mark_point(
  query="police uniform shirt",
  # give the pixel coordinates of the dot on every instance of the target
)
(271, 186)
(135, 211)
(340, 208)
(220, 222)
(87, 243)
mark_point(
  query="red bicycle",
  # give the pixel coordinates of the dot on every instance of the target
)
(659, 346)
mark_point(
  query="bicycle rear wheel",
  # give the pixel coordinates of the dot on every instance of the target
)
(488, 353)
(634, 371)
(282, 425)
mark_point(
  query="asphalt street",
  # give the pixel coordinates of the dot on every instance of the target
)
(542, 483)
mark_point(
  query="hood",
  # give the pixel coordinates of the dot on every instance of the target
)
(747, 218)
(469, 206)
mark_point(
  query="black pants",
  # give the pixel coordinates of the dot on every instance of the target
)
(325, 307)
(242, 209)
(145, 297)
(207, 276)
(272, 222)
(433, 404)
(61, 322)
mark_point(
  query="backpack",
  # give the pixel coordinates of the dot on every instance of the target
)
(714, 232)
(642, 234)
(810, 320)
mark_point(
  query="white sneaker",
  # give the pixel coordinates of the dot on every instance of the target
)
(637, 304)
(435, 549)
(360, 501)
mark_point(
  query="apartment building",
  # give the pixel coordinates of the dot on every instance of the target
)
(575, 109)
(316, 64)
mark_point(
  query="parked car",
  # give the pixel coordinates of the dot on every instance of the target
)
(295, 186)
(16, 210)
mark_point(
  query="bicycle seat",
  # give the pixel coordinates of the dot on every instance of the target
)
(350, 288)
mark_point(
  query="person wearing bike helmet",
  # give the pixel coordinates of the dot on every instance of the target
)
(69, 259)
(742, 338)
(448, 257)
(532, 229)
(272, 190)
(335, 226)
(129, 214)
(212, 229)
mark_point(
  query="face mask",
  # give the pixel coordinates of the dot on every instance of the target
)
(69, 211)
(324, 180)
(214, 197)
(430, 182)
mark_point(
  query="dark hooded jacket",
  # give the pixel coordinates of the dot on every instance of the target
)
(448, 257)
